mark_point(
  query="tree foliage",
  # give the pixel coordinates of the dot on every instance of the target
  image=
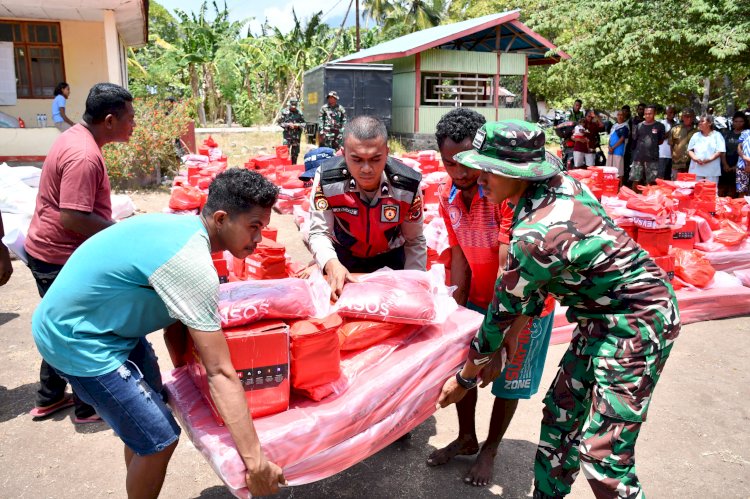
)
(684, 52)
(626, 51)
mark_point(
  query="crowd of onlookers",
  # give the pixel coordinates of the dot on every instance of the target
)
(643, 148)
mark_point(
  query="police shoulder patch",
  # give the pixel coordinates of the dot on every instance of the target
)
(320, 202)
(415, 211)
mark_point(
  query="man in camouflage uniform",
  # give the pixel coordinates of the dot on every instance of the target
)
(679, 138)
(292, 121)
(563, 244)
(331, 122)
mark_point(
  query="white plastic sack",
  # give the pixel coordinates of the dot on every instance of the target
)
(29, 175)
(15, 195)
(122, 206)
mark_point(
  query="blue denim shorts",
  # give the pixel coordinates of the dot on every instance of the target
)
(130, 400)
(522, 381)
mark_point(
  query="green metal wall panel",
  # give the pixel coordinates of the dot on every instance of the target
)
(403, 120)
(404, 89)
(512, 64)
(430, 115)
(458, 61)
(510, 113)
(401, 65)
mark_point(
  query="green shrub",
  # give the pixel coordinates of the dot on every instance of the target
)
(151, 153)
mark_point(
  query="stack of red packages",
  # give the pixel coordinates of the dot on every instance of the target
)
(260, 356)
(222, 269)
(704, 195)
(268, 261)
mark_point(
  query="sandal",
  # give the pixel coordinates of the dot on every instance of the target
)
(94, 418)
(48, 410)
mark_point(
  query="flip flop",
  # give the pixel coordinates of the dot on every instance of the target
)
(43, 412)
(94, 418)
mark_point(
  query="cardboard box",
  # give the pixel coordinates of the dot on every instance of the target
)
(685, 237)
(655, 241)
(260, 356)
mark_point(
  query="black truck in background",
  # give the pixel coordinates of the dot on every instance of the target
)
(362, 89)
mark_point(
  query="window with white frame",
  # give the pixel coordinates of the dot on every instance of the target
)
(38, 56)
(456, 89)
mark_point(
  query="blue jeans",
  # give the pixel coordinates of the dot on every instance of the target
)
(130, 399)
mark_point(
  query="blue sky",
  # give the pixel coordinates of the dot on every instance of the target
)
(278, 12)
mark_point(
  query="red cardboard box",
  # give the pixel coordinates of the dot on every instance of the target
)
(655, 241)
(667, 265)
(685, 237)
(260, 356)
(270, 232)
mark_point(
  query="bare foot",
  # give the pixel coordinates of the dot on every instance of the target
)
(480, 473)
(462, 446)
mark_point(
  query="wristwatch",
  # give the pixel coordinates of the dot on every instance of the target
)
(467, 384)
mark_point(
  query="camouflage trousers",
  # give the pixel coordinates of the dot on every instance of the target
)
(332, 140)
(293, 148)
(592, 415)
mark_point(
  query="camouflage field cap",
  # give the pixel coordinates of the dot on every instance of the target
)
(333, 94)
(511, 148)
(293, 101)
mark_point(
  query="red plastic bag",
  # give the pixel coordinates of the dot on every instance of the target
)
(656, 204)
(692, 267)
(729, 233)
(186, 197)
(626, 193)
(249, 301)
(358, 335)
(712, 222)
(315, 354)
(403, 296)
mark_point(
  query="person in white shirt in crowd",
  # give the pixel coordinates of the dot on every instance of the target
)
(705, 149)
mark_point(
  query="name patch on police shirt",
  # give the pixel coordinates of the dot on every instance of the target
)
(345, 209)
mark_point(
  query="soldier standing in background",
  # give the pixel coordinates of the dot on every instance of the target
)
(292, 121)
(331, 123)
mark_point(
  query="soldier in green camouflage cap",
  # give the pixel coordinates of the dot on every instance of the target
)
(331, 122)
(292, 121)
(564, 244)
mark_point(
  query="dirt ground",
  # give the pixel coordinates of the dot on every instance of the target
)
(694, 445)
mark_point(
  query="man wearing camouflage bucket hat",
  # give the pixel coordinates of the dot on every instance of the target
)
(563, 244)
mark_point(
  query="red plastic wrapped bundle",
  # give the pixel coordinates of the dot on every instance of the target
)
(315, 355)
(358, 335)
(729, 233)
(249, 301)
(260, 355)
(666, 263)
(403, 296)
(282, 152)
(692, 267)
(187, 197)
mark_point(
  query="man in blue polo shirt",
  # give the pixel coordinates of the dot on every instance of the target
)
(139, 276)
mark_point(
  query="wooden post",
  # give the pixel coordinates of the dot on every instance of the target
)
(418, 89)
(525, 85)
(496, 79)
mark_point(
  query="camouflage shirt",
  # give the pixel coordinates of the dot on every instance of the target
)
(679, 138)
(292, 134)
(564, 244)
(332, 119)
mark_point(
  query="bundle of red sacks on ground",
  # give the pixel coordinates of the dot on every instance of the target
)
(367, 313)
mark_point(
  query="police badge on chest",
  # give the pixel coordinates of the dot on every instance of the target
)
(389, 213)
